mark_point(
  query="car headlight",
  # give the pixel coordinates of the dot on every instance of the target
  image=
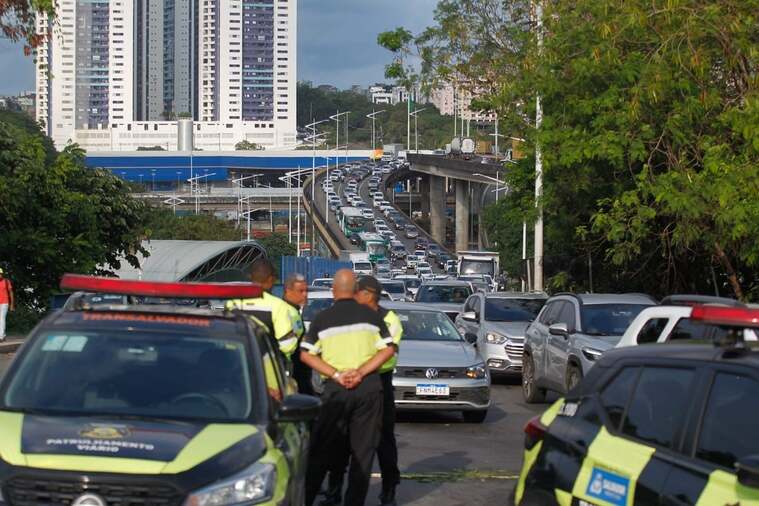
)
(592, 353)
(477, 371)
(252, 486)
(493, 338)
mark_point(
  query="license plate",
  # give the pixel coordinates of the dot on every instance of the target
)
(433, 389)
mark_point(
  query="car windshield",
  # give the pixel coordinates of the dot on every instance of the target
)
(413, 282)
(608, 319)
(315, 306)
(137, 374)
(322, 282)
(443, 293)
(512, 310)
(394, 287)
(427, 326)
(362, 266)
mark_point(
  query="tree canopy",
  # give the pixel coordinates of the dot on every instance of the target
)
(17, 18)
(650, 133)
(59, 215)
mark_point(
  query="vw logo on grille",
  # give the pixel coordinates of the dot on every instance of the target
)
(89, 500)
(432, 373)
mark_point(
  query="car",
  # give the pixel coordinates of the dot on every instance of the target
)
(395, 288)
(386, 210)
(379, 221)
(384, 262)
(315, 304)
(354, 238)
(398, 251)
(412, 284)
(449, 295)
(420, 253)
(654, 424)
(400, 224)
(442, 259)
(497, 322)
(433, 250)
(411, 261)
(111, 403)
(322, 282)
(437, 370)
(383, 272)
(381, 228)
(571, 332)
(411, 232)
(378, 195)
(367, 213)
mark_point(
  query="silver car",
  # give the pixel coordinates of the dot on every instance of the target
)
(497, 323)
(571, 332)
(446, 295)
(437, 369)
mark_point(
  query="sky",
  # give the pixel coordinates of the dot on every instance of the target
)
(337, 42)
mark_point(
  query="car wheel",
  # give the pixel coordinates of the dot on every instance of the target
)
(574, 376)
(475, 416)
(531, 393)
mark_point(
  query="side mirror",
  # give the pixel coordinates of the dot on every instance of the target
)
(469, 316)
(299, 408)
(748, 471)
(471, 338)
(559, 329)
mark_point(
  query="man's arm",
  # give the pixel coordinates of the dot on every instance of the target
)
(316, 363)
(376, 361)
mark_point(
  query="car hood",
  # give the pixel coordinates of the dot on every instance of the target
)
(436, 353)
(510, 329)
(123, 446)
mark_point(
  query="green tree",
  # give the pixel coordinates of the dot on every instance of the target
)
(649, 134)
(60, 217)
(277, 246)
(17, 19)
(245, 145)
(163, 224)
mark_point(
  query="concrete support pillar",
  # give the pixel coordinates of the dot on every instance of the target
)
(424, 193)
(437, 208)
(462, 215)
(478, 191)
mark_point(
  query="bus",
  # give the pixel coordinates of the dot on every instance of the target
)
(374, 244)
(351, 221)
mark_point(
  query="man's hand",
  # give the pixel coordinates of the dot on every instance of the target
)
(350, 379)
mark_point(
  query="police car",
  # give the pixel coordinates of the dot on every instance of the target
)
(133, 404)
(654, 424)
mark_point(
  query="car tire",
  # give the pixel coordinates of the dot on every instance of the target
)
(475, 416)
(574, 376)
(531, 393)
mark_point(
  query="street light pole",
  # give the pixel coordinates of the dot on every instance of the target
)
(538, 278)
(373, 117)
(415, 113)
(336, 118)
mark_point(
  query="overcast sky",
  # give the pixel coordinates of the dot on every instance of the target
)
(337, 42)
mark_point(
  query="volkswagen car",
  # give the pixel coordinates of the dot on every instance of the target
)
(437, 369)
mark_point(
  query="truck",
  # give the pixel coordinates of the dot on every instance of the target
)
(478, 262)
(392, 151)
(359, 261)
(467, 148)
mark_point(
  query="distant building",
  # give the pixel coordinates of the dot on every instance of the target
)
(23, 102)
(386, 94)
(327, 88)
(111, 68)
(449, 99)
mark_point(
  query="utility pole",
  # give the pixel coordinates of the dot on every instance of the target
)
(538, 284)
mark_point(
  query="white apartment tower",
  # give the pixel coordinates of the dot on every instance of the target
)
(84, 70)
(114, 73)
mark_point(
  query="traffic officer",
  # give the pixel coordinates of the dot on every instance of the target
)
(368, 294)
(296, 294)
(346, 344)
(280, 318)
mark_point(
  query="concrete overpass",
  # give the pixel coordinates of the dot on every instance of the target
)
(438, 176)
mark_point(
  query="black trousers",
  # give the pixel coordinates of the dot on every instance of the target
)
(349, 419)
(387, 449)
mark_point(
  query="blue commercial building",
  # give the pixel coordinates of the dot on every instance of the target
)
(170, 166)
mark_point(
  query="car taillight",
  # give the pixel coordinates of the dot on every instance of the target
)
(534, 432)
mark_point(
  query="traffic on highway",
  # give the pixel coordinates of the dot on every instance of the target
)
(141, 392)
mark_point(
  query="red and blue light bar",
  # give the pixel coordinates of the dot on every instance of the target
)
(95, 284)
(735, 316)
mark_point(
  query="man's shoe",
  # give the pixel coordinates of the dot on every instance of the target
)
(387, 497)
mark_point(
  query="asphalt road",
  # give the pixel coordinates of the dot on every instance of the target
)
(5, 360)
(447, 462)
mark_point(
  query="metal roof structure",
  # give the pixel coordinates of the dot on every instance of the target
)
(219, 261)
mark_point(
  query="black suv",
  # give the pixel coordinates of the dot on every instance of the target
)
(654, 424)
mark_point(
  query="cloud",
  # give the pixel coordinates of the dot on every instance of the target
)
(337, 42)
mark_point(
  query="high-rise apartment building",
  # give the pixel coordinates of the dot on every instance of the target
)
(113, 68)
(450, 99)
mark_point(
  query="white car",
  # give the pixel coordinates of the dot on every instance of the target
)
(411, 261)
(367, 213)
(425, 272)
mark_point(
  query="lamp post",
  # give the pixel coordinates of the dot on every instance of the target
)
(414, 113)
(373, 116)
(336, 119)
(496, 135)
(194, 182)
(238, 182)
(538, 278)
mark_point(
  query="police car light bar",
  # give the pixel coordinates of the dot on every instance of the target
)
(726, 315)
(160, 289)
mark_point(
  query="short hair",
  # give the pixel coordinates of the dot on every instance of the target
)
(261, 270)
(293, 278)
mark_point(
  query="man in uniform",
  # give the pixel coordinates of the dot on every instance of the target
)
(346, 344)
(296, 294)
(368, 294)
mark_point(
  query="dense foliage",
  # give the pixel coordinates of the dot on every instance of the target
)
(650, 133)
(58, 215)
(163, 224)
(17, 19)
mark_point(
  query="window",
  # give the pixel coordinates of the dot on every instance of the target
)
(616, 394)
(728, 432)
(549, 313)
(652, 330)
(567, 315)
(658, 406)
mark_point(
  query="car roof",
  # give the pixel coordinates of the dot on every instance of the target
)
(446, 282)
(320, 294)
(609, 298)
(516, 295)
(691, 351)
(408, 306)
